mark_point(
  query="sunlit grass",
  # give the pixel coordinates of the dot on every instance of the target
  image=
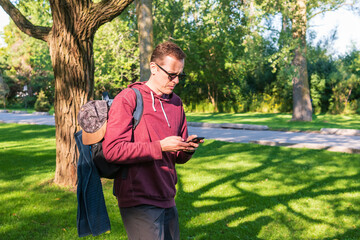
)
(226, 191)
(31, 206)
(269, 193)
(279, 121)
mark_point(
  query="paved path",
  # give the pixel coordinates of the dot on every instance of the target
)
(27, 118)
(330, 142)
(337, 143)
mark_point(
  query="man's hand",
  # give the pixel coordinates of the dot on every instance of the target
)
(193, 146)
(176, 143)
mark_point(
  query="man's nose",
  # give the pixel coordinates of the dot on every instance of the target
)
(176, 80)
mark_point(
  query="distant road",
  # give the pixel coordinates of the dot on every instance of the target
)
(338, 143)
(27, 118)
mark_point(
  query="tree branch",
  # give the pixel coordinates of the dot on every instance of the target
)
(324, 10)
(23, 24)
(107, 10)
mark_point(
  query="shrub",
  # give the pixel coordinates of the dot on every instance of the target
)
(42, 104)
(317, 91)
(29, 101)
(264, 103)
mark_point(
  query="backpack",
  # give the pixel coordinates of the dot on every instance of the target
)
(92, 115)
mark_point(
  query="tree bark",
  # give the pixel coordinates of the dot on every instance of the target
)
(73, 65)
(145, 26)
(71, 48)
(347, 98)
(302, 109)
(212, 94)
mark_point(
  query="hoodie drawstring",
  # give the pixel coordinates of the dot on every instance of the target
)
(164, 113)
(153, 101)
(162, 107)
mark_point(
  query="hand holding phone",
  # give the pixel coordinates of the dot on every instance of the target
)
(196, 139)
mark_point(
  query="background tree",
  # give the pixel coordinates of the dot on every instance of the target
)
(239, 57)
(302, 108)
(28, 60)
(210, 32)
(70, 40)
(145, 27)
(299, 13)
(344, 84)
(4, 90)
(116, 54)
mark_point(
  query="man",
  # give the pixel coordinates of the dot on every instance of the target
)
(146, 192)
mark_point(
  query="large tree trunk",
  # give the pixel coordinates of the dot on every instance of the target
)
(302, 109)
(145, 26)
(73, 65)
(71, 48)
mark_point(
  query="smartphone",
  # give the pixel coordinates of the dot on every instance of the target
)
(196, 140)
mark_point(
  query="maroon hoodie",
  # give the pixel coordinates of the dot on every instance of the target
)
(151, 176)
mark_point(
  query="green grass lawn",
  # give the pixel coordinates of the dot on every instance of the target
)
(227, 191)
(279, 121)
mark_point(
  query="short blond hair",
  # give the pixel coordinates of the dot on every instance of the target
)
(167, 48)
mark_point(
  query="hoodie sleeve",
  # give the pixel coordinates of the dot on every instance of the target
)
(118, 146)
(183, 157)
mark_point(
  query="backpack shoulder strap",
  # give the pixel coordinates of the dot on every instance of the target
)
(139, 107)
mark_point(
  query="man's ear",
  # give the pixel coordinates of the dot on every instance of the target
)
(153, 68)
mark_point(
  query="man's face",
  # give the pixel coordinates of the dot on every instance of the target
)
(162, 83)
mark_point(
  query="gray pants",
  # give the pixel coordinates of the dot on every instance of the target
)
(146, 222)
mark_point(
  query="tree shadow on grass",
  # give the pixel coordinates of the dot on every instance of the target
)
(31, 207)
(258, 214)
(297, 176)
(24, 132)
(351, 234)
(17, 165)
(26, 150)
(37, 212)
(44, 211)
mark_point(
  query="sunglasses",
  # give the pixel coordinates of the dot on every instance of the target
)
(172, 76)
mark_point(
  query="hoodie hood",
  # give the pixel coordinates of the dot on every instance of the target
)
(142, 86)
(161, 98)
